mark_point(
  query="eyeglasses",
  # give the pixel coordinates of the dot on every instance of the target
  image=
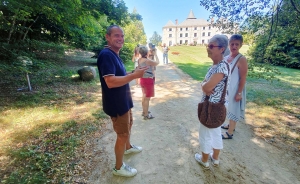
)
(212, 46)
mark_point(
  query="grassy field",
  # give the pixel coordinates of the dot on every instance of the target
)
(272, 106)
(193, 60)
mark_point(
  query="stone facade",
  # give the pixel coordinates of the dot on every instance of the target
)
(190, 31)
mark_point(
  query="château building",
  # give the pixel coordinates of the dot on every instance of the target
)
(190, 31)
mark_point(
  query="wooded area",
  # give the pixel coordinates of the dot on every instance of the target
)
(271, 28)
(37, 28)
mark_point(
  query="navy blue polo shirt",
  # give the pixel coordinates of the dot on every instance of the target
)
(116, 101)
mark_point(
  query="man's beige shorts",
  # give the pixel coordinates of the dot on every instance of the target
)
(122, 123)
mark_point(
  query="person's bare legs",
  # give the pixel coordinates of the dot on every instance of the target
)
(128, 144)
(231, 128)
(216, 153)
(143, 101)
(204, 157)
(121, 141)
(122, 144)
(146, 105)
(232, 125)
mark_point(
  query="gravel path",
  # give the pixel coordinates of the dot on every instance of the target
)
(170, 141)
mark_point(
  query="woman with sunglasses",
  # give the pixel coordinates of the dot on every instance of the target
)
(213, 86)
(237, 91)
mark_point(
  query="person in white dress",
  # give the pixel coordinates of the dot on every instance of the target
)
(237, 91)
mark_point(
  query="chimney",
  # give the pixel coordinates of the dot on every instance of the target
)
(176, 21)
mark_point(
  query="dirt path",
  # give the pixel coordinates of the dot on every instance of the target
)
(171, 139)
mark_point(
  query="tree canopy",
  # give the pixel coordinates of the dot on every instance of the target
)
(156, 38)
(271, 28)
(33, 28)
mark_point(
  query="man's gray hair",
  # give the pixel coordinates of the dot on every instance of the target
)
(109, 28)
(221, 41)
(143, 50)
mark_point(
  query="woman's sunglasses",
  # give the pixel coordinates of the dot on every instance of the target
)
(212, 46)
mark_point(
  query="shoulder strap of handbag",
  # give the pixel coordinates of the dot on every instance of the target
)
(225, 88)
(236, 62)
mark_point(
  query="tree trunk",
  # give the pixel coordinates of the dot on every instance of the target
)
(12, 28)
(30, 27)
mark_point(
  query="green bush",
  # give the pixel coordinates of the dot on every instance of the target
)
(127, 51)
(283, 49)
(38, 51)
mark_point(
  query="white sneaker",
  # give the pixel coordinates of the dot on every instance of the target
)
(125, 170)
(216, 163)
(198, 158)
(134, 149)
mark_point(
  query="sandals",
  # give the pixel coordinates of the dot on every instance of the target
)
(149, 116)
(228, 136)
(143, 113)
(226, 127)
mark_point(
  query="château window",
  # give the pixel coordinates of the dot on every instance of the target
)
(186, 35)
(180, 34)
(170, 29)
(208, 34)
(186, 29)
(195, 34)
(203, 34)
(170, 35)
(203, 28)
(195, 28)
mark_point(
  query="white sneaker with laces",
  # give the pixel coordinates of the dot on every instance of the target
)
(216, 163)
(198, 158)
(125, 170)
(133, 149)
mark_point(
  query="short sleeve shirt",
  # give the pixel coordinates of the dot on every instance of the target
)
(115, 101)
(218, 90)
(165, 50)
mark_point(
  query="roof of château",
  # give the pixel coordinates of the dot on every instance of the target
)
(169, 24)
(191, 20)
(191, 15)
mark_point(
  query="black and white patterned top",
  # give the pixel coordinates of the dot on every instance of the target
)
(219, 68)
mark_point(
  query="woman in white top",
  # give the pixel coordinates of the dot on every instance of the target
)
(237, 91)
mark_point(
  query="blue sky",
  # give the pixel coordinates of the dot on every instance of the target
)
(156, 13)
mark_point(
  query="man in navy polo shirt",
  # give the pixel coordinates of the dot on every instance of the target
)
(116, 96)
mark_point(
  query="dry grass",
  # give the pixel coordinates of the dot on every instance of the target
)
(43, 133)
